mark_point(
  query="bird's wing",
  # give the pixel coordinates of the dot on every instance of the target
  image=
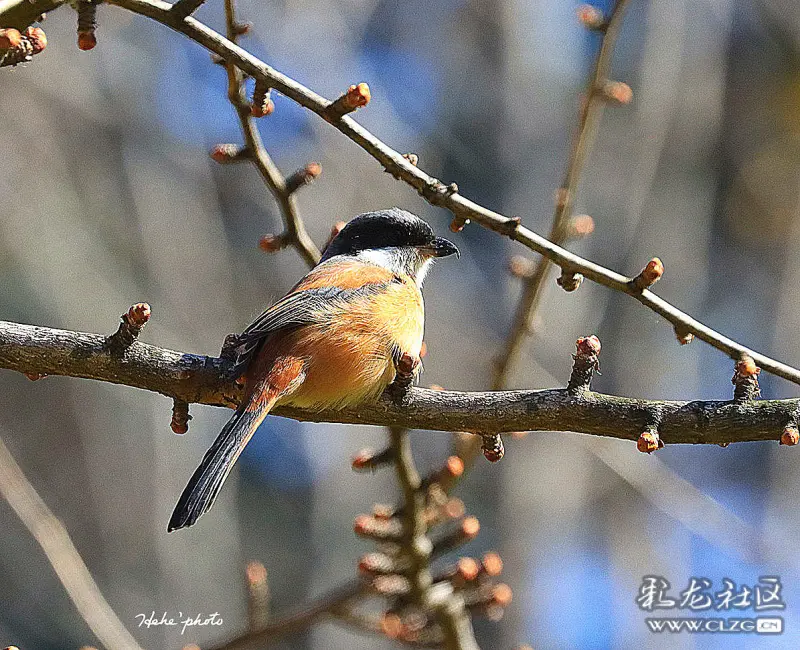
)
(306, 305)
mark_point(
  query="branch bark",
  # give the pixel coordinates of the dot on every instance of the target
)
(202, 379)
(22, 13)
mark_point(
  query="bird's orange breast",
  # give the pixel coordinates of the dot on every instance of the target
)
(349, 358)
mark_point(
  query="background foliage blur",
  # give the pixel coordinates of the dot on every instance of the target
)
(109, 198)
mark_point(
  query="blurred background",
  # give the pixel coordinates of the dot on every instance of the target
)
(110, 198)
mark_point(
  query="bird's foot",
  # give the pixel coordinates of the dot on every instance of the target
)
(407, 367)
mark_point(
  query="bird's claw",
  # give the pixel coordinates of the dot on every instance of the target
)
(407, 367)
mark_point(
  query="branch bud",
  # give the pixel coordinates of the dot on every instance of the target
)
(579, 226)
(585, 363)
(649, 276)
(369, 459)
(303, 177)
(591, 17)
(649, 441)
(261, 104)
(391, 585)
(569, 281)
(240, 29)
(131, 326)
(229, 153)
(381, 530)
(745, 380)
(454, 466)
(790, 435)
(492, 564)
(270, 243)
(458, 223)
(616, 92)
(412, 158)
(502, 595)
(377, 564)
(467, 569)
(492, 447)
(87, 24)
(356, 97)
(452, 508)
(258, 595)
(683, 335)
(391, 625)
(467, 531)
(521, 267)
(335, 230)
(180, 416)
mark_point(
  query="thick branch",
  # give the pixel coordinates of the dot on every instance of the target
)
(22, 13)
(437, 193)
(201, 379)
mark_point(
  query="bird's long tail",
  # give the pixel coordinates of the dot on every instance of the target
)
(285, 376)
(204, 486)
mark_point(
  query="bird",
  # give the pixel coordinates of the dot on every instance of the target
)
(345, 333)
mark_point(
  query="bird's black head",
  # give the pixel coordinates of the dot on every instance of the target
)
(392, 228)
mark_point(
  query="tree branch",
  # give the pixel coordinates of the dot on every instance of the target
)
(67, 563)
(202, 379)
(324, 606)
(295, 235)
(22, 13)
(591, 111)
(183, 8)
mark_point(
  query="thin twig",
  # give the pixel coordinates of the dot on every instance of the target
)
(591, 111)
(55, 541)
(296, 234)
(437, 193)
(325, 605)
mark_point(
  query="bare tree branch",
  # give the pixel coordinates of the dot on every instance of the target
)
(22, 13)
(295, 235)
(325, 605)
(202, 379)
(55, 541)
(448, 606)
(591, 110)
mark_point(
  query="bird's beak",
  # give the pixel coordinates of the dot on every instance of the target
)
(443, 247)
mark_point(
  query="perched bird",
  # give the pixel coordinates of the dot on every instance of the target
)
(341, 336)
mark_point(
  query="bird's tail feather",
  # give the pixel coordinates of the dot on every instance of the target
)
(205, 484)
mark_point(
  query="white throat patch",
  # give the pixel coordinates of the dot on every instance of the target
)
(406, 260)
